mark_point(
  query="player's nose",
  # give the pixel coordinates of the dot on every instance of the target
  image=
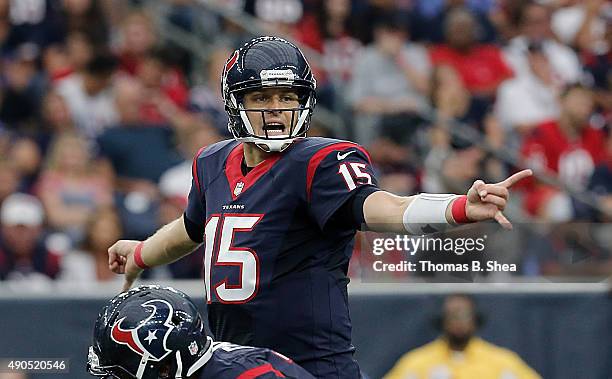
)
(275, 103)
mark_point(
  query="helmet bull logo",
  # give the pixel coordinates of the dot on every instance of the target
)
(149, 337)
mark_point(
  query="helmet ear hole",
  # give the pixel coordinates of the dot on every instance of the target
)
(176, 319)
(164, 370)
(303, 95)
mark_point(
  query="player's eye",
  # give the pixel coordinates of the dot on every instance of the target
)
(289, 98)
(258, 98)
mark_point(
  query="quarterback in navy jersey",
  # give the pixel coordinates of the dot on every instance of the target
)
(154, 332)
(278, 211)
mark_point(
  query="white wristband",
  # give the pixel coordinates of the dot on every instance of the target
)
(427, 213)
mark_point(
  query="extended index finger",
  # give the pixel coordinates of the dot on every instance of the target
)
(515, 178)
(127, 284)
(112, 255)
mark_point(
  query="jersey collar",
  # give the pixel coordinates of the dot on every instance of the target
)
(240, 183)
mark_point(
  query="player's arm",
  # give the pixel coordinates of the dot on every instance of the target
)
(385, 212)
(170, 243)
(342, 187)
(167, 245)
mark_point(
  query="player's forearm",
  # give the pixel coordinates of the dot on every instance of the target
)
(385, 212)
(168, 244)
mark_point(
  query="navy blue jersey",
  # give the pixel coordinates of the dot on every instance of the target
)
(230, 361)
(275, 263)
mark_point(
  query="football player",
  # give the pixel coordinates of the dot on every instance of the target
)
(154, 332)
(278, 212)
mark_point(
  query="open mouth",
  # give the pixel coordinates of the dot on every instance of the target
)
(274, 126)
(275, 129)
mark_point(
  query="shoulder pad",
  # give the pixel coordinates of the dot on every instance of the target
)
(216, 147)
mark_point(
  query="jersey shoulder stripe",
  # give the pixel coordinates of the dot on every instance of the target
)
(302, 150)
(315, 159)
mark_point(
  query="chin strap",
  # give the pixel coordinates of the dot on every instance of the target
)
(142, 366)
(179, 366)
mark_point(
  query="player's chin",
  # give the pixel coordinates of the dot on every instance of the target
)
(278, 134)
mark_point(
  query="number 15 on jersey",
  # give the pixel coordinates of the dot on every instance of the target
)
(219, 236)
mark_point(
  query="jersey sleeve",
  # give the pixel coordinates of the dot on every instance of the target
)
(333, 175)
(195, 213)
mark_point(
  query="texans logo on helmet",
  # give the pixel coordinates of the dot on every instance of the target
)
(149, 337)
(232, 61)
(228, 66)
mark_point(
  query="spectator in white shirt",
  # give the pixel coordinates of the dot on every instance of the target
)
(530, 99)
(89, 97)
(582, 24)
(534, 24)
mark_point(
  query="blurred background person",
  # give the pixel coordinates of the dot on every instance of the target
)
(89, 96)
(481, 66)
(60, 60)
(25, 156)
(330, 27)
(597, 55)
(167, 93)
(430, 16)
(88, 17)
(582, 24)
(71, 188)
(390, 81)
(569, 147)
(453, 161)
(138, 153)
(206, 99)
(55, 120)
(458, 353)
(533, 20)
(175, 182)
(9, 179)
(24, 257)
(36, 22)
(527, 100)
(137, 35)
(23, 88)
(88, 264)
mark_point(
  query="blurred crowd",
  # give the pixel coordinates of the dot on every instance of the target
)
(100, 114)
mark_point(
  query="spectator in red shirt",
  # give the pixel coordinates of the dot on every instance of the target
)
(137, 37)
(164, 84)
(569, 147)
(481, 66)
(329, 29)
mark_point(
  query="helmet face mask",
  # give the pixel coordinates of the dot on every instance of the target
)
(263, 64)
(149, 332)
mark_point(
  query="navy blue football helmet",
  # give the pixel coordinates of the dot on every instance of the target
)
(149, 332)
(266, 62)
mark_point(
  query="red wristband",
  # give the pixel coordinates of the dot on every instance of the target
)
(458, 210)
(138, 256)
